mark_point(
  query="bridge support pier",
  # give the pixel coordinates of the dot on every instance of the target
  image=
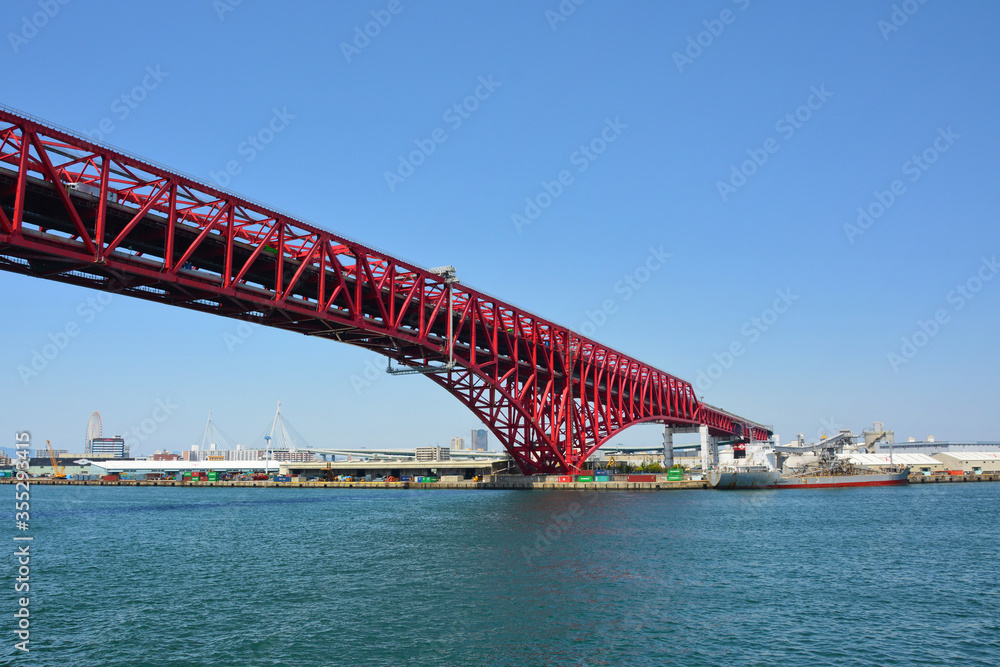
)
(709, 449)
(668, 447)
(703, 431)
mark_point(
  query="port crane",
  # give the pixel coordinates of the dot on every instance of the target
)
(58, 471)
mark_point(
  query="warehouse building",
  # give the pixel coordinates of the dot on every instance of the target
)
(75, 468)
(976, 463)
(42, 467)
(455, 468)
(932, 446)
(918, 463)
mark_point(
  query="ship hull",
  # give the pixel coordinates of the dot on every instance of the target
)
(838, 481)
(766, 479)
(775, 480)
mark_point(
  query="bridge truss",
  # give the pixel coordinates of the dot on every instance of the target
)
(82, 213)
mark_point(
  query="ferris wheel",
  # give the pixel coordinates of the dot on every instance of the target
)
(93, 429)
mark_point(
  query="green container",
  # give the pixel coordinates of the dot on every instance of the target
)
(585, 478)
(675, 475)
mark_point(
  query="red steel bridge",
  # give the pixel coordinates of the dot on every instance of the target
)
(78, 212)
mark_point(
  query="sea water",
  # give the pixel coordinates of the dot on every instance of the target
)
(282, 576)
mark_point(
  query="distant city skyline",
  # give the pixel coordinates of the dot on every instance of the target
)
(152, 444)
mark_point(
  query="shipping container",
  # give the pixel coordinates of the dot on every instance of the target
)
(641, 478)
(585, 478)
(565, 479)
(601, 478)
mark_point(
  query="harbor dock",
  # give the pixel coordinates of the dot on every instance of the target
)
(506, 482)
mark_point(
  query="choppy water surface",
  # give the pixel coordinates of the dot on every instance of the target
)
(172, 576)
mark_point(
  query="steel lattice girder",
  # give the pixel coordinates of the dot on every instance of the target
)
(78, 212)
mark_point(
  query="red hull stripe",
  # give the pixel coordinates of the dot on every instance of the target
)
(890, 482)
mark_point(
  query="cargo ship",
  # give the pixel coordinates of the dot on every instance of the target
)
(749, 477)
(886, 476)
(744, 477)
(827, 469)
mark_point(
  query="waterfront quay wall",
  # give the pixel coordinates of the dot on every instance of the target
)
(515, 483)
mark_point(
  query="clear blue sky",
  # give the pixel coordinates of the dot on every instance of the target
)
(679, 124)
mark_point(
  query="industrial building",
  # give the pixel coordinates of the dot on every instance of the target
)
(112, 466)
(458, 469)
(76, 466)
(932, 446)
(976, 463)
(918, 463)
(42, 466)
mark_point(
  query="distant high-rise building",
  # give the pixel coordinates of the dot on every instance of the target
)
(240, 454)
(458, 444)
(44, 453)
(111, 448)
(292, 456)
(478, 442)
(433, 454)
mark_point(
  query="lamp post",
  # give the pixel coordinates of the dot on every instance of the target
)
(267, 455)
